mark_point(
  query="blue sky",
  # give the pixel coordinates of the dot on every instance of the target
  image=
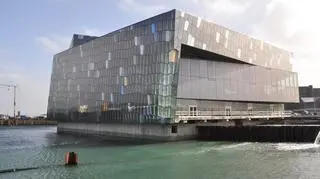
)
(32, 31)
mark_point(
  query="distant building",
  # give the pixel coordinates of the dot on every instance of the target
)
(309, 99)
(4, 117)
(168, 65)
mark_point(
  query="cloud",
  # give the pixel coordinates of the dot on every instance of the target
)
(204, 7)
(57, 43)
(12, 76)
(227, 7)
(140, 7)
(54, 43)
(290, 24)
(222, 12)
(91, 31)
(229, 13)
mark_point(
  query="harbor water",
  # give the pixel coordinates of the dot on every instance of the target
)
(39, 146)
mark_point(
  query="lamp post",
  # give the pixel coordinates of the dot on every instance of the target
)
(14, 97)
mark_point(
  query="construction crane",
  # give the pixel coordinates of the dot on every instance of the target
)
(14, 96)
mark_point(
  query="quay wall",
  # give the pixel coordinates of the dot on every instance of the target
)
(252, 131)
(259, 133)
(17, 122)
(152, 132)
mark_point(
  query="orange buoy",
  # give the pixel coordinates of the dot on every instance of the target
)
(71, 158)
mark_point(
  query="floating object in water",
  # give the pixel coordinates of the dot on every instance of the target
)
(71, 159)
(17, 169)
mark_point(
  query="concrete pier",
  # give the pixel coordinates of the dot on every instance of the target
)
(151, 132)
(297, 130)
(259, 133)
(16, 122)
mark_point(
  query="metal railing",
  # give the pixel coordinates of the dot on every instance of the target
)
(224, 115)
(307, 109)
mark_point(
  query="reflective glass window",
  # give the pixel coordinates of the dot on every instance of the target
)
(107, 63)
(141, 49)
(191, 40)
(121, 71)
(97, 74)
(227, 34)
(173, 55)
(217, 37)
(204, 46)
(102, 96)
(136, 41)
(125, 81)
(109, 55)
(198, 22)
(91, 66)
(239, 53)
(111, 97)
(168, 35)
(186, 25)
(156, 36)
(134, 60)
(153, 27)
(121, 89)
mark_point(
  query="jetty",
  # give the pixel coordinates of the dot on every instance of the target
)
(18, 122)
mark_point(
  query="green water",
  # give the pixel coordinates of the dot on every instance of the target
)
(40, 146)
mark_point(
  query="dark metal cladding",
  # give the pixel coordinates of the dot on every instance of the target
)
(79, 39)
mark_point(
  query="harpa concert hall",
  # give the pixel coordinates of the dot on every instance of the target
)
(145, 77)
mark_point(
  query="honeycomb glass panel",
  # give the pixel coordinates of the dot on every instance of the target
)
(148, 64)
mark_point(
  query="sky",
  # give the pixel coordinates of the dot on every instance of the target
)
(33, 31)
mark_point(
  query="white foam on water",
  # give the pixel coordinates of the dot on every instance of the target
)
(66, 143)
(232, 146)
(292, 147)
(317, 139)
(213, 148)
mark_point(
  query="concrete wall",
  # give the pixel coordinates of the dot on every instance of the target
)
(263, 133)
(130, 131)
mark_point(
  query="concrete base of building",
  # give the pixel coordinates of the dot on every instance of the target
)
(145, 132)
(261, 133)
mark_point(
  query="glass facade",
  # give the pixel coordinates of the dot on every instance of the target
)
(196, 32)
(216, 80)
(220, 106)
(137, 75)
(123, 77)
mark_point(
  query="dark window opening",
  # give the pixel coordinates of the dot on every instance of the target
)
(174, 129)
(192, 52)
(193, 111)
(228, 112)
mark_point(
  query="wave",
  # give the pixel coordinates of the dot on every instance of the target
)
(213, 148)
(293, 147)
(233, 146)
(35, 146)
(66, 143)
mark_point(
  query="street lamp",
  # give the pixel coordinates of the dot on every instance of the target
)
(14, 97)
